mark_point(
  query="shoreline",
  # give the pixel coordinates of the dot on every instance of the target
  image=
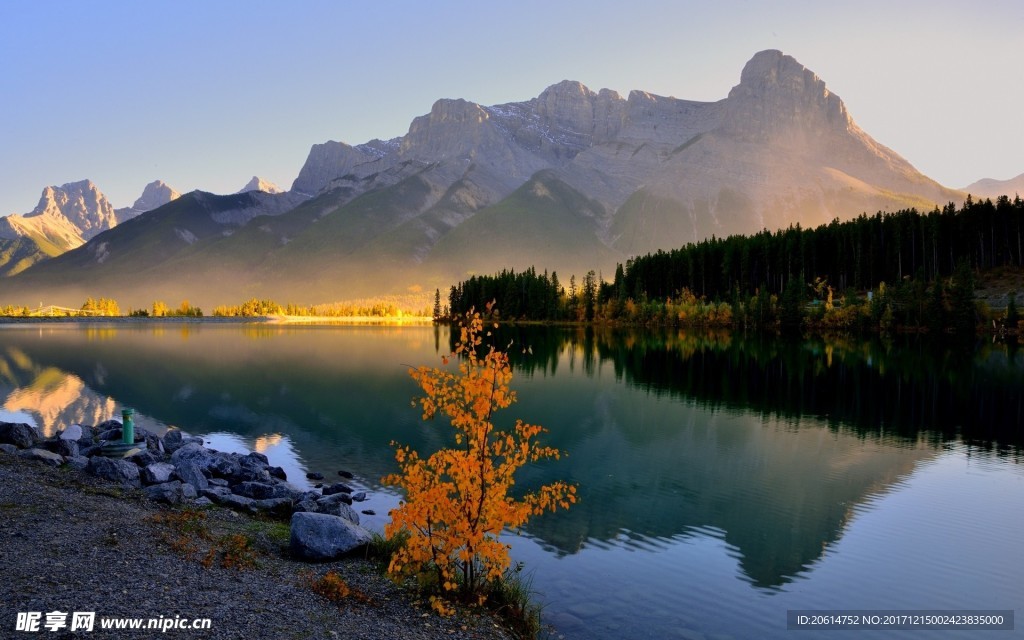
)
(78, 542)
(260, 320)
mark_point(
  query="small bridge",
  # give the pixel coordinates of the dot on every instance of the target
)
(54, 310)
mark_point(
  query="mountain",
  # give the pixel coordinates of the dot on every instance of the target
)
(65, 218)
(571, 180)
(259, 184)
(156, 194)
(989, 188)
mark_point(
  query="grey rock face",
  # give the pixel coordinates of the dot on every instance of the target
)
(174, 492)
(195, 454)
(260, 490)
(79, 463)
(19, 434)
(81, 203)
(73, 432)
(42, 455)
(338, 508)
(66, 448)
(8, 448)
(120, 471)
(176, 438)
(192, 473)
(320, 537)
(156, 473)
(337, 487)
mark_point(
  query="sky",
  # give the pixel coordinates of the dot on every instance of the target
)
(204, 95)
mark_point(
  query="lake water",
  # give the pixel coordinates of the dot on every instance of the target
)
(724, 481)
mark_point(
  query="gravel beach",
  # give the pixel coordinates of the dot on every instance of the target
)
(70, 542)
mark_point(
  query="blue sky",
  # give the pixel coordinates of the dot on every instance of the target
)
(207, 94)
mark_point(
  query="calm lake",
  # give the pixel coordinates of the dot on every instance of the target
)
(723, 480)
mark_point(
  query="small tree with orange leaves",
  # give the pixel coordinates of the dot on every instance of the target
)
(458, 500)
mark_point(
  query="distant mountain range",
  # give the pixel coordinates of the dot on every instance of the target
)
(569, 181)
(989, 188)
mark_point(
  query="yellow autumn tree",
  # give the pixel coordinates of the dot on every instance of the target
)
(459, 499)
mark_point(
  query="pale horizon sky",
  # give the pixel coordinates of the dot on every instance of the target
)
(204, 95)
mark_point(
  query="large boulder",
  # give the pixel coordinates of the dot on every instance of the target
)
(173, 492)
(66, 448)
(321, 537)
(156, 473)
(337, 487)
(337, 507)
(174, 439)
(42, 455)
(73, 432)
(195, 454)
(224, 465)
(190, 472)
(261, 490)
(120, 471)
(19, 434)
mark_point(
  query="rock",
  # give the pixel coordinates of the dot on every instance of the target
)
(337, 508)
(79, 463)
(314, 476)
(259, 456)
(232, 501)
(19, 434)
(42, 455)
(90, 451)
(120, 471)
(346, 474)
(277, 472)
(156, 473)
(252, 469)
(337, 487)
(320, 537)
(369, 512)
(260, 490)
(195, 454)
(218, 482)
(73, 432)
(306, 502)
(335, 498)
(216, 493)
(174, 439)
(107, 425)
(359, 496)
(277, 506)
(142, 459)
(66, 448)
(190, 472)
(9, 449)
(224, 465)
(111, 435)
(202, 501)
(174, 492)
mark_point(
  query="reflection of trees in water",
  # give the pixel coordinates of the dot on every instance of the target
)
(902, 387)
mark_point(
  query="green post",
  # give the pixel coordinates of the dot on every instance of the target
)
(128, 426)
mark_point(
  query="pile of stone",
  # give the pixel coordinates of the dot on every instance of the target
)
(177, 468)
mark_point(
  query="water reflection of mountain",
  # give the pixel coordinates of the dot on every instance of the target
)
(53, 398)
(707, 431)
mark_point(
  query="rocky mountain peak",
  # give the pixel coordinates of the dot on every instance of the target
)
(156, 194)
(259, 184)
(777, 96)
(81, 203)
